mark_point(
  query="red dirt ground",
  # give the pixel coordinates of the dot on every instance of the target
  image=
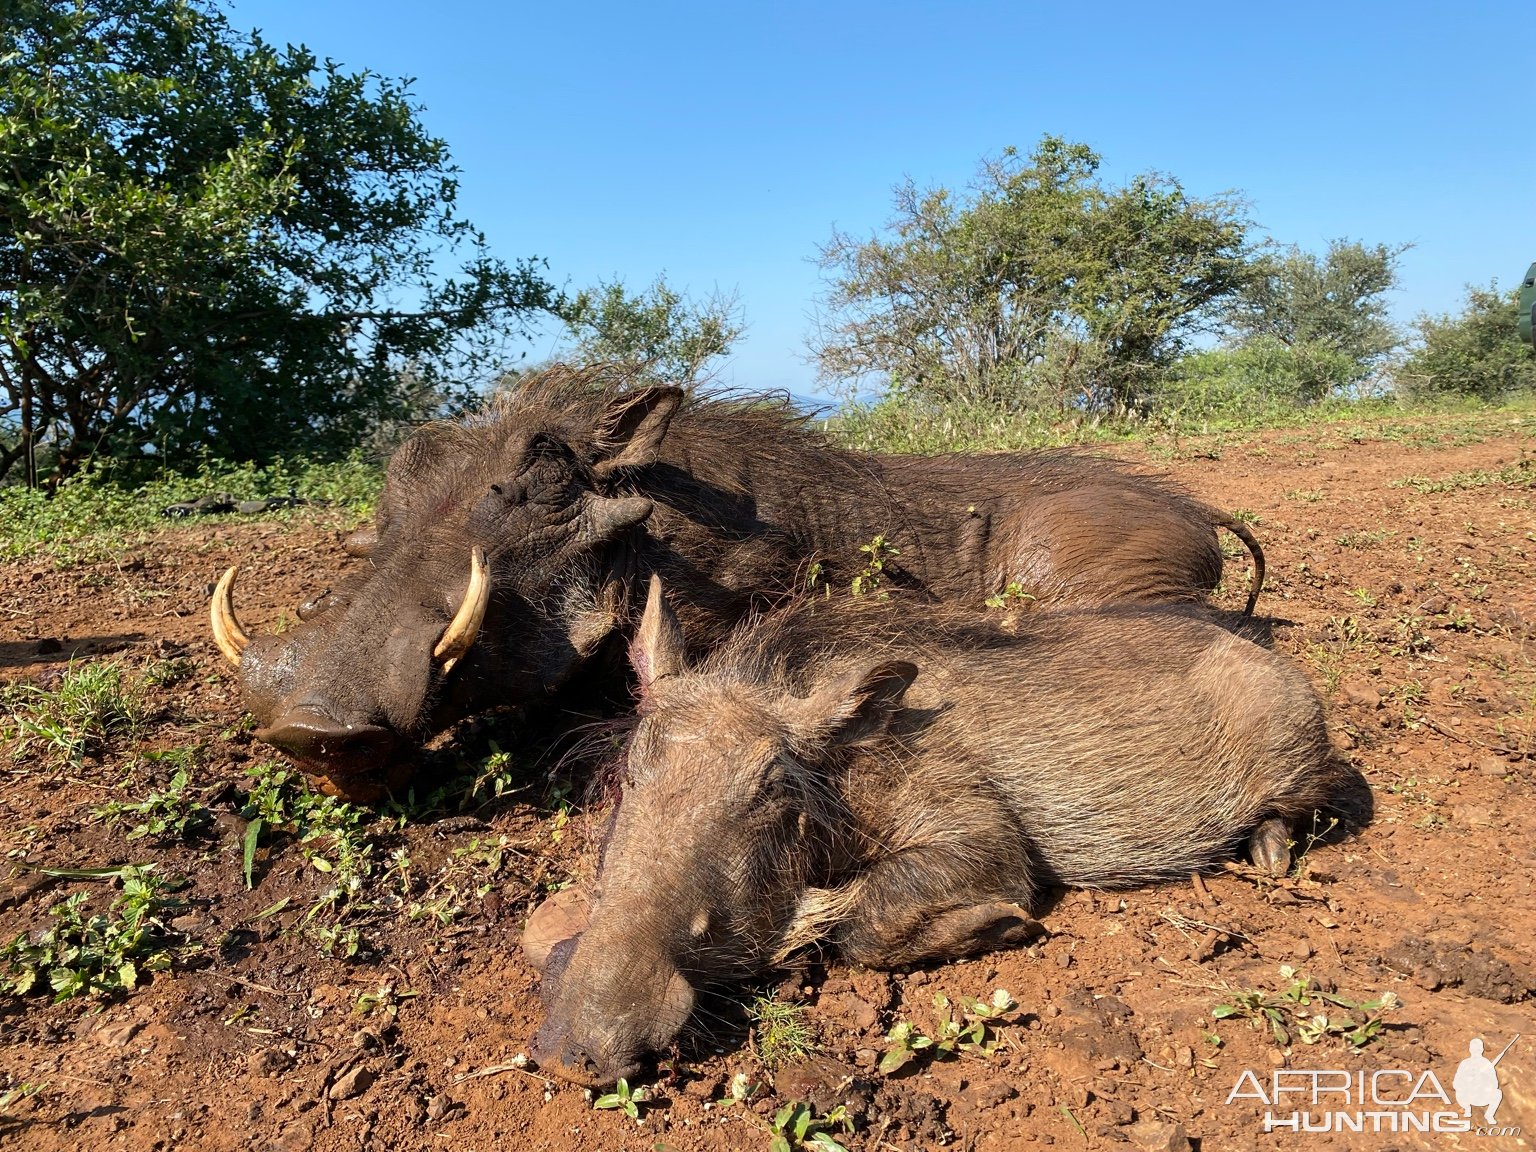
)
(1413, 610)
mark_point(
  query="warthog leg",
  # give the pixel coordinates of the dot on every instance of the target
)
(1269, 847)
(945, 936)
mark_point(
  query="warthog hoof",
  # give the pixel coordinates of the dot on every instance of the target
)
(1269, 847)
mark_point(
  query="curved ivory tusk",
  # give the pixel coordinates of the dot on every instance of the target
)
(465, 626)
(227, 633)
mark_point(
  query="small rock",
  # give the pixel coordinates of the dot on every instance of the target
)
(865, 1057)
(354, 1083)
(438, 1107)
(991, 1093)
(1063, 959)
(1185, 1056)
(268, 1062)
(1120, 1113)
(117, 1033)
(704, 1088)
(1428, 979)
(1357, 692)
(1492, 766)
(1475, 814)
(1159, 1136)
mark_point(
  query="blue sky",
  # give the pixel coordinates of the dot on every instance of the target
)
(721, 143)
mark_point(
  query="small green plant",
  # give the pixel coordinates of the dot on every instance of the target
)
(1314, 836)
(102, 954)
(169, 672)
(877, 553)
(971, 1028)
(174, 814)
(780, 1032)
(796, 1126)
(624, 1099)
(18, 1092)
(1410, 638)
(1360, 541)
(91, 705)
(1303, 1008)
(1364, 597)
(495, 779)
(386, 1000)
(1013, 594)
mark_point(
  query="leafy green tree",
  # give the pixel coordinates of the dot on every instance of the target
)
(209, 243)
(1040, 284)
(1477, 352)
(1329, 310)
(659, 332)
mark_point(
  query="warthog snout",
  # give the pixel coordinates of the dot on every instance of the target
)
(594, 1045)
(317, 739)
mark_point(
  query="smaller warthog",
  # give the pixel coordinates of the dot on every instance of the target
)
(798, 787)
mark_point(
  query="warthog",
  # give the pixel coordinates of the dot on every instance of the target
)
(508, 549)
(799, 787)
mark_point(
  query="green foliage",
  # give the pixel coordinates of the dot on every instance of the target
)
(877, 553)
(971, 1027)
(1302, 1008)
(659, 333)
(1475, 353)
(1042, 288)
(623, 1098)
(330, 833)
(1012, 593)
(101, 954)
(90, 706)
(1520, 474)
(1263, 377)
(1329, 313)
(174, 814)
(780, 1032)
(202, 236)
(89, 514)
(797, 1125)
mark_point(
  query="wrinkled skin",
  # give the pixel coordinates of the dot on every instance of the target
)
(578, 496)
(901, 818)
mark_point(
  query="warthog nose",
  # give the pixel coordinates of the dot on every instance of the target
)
(319, 739)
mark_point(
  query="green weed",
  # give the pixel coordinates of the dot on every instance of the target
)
(780, 1032)
(174, 814)
(1304, 1011)
(98, 954)
(625, 1099)
(876, 553)
(970, 1028)
(91, 705)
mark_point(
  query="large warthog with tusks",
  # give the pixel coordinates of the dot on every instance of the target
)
(508, 549)
(901, 785)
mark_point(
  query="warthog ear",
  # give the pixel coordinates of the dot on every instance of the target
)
(630, 431)
(657, 649)
(855, 706)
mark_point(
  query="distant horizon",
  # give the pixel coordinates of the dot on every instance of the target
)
(720, 147)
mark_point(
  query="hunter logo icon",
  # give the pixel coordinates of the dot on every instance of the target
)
(1477, 1080)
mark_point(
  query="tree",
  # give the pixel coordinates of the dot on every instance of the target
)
(1477, 352)
(1042, 281)
(659, 333)
(203, 240)
(1330, 311)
